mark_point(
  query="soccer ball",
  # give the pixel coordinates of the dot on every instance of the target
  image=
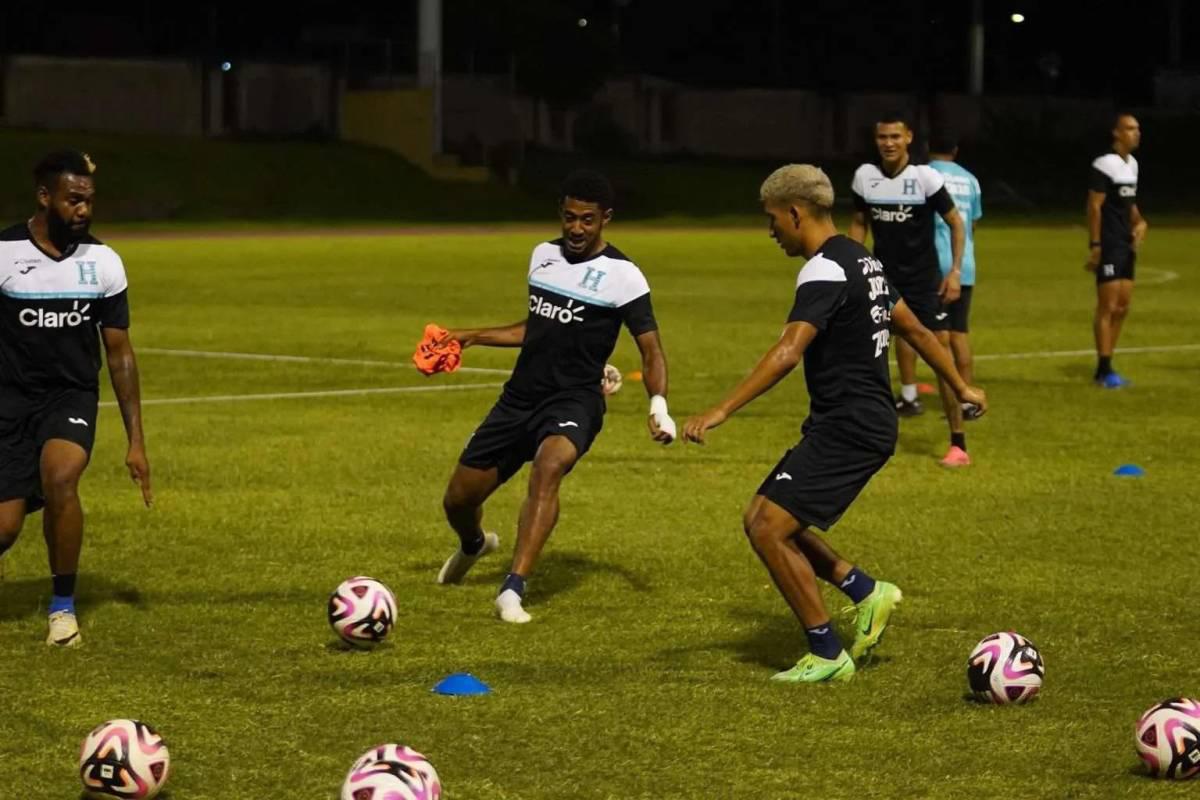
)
(404, 755)
(1168, 739)
(124, 759)
(1005, 668)
(362, 612)
(385, 780)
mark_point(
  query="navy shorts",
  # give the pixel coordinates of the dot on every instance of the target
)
(510, 435)
(1116, 264)
(27, 423)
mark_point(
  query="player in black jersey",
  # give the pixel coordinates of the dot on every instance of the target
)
(1117, 229)
(581, 291)
(901, 199)
(62, 293)
(839, 328)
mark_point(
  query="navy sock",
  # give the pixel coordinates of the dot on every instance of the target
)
(514, 582)
(64, 585)
(857, 585)
(958, 440)
(823, 642)
(1104, 367)
(473, 547)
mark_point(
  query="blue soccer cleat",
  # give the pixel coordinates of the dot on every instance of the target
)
(1112, 381)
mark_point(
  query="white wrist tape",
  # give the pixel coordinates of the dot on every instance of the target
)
(658, 410)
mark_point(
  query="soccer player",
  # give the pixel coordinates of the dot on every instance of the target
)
(62, 293)
(968, 199)
(581, 291)
(839, 327)
(901, 198)
(1117, 229)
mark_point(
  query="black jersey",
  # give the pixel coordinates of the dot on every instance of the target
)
(900, 210)
(1117, 178)
(576, 309)
(52, 309)
(843, 292)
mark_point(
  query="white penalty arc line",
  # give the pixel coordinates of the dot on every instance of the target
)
(1160, 276)
(353, 362)
(236, 398)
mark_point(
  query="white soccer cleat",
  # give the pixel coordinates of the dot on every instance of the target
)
(508, 608)
(458, 565)
(64, 630)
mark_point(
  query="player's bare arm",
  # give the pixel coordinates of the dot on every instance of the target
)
(122, 369)
(773, 367)
(1140, 226)
(506, 336)
(654, 376)
(926, 344)
(951, 288)
(1095, 202)
(858, 227)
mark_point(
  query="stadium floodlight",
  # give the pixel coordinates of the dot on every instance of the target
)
(1018, 18)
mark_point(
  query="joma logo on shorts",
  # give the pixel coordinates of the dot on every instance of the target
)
(901, 214)
(40, 318)
(544, 308)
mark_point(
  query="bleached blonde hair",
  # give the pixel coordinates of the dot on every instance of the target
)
(798, 183)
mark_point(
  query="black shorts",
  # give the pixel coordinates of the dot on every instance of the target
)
(512, 431)
(960, 311)
(1116, 264)
(924, 302)
(818, 479)
(27, 423)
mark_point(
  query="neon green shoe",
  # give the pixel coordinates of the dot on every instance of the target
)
(873, 615)
(814, 669)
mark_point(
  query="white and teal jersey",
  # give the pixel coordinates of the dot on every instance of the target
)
(964, 188)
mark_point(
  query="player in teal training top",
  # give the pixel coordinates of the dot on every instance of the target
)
(964, 189)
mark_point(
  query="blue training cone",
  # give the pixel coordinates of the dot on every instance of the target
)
(461, 683)
(1129, 471)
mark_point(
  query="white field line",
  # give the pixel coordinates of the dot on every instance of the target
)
(1124, 351)
(235, 398)
(354, 362)
(1159, 276)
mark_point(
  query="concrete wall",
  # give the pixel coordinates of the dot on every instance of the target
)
(103, 95)
(285, 99)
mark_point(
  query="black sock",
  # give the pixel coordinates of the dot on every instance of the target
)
(64, 585)
(1104, 366)
(958, 440)
(473, 547)
(514, 582)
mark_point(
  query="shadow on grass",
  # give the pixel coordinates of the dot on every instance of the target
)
(22, 598)
(557, 573)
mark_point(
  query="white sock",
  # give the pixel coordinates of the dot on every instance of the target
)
(908, 391)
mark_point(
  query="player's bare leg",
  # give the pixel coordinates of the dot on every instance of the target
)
(964, 359)
(1121, 309)
(956, 456)
(771, 531)
(62, 465)
(555, 457)
(1104, 327)
(463, 503)
(909, 404)
(12, 519)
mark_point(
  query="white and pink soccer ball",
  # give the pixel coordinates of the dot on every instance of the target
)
(392, 772)
(123, 759)
(362, 612)
(1005, 668)
(1168, 739)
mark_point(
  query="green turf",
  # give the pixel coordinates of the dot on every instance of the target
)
(644, 673)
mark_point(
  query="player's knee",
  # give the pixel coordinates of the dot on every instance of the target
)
(760, 534)
(457, 499)
(59, 484)
(1120, 311)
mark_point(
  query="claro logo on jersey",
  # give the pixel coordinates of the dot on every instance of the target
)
(564, 314)
(40, 318)
(901, 214)
(1127, 191)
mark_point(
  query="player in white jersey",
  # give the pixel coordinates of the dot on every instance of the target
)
(582, 290)
(1117, 230)
(62, 293)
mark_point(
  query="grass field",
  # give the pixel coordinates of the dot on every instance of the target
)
(644, 673)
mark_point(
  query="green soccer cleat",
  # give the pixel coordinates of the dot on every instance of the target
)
(873, 616)
(814, 669)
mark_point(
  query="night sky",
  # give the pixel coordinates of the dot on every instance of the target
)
(828, 45)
